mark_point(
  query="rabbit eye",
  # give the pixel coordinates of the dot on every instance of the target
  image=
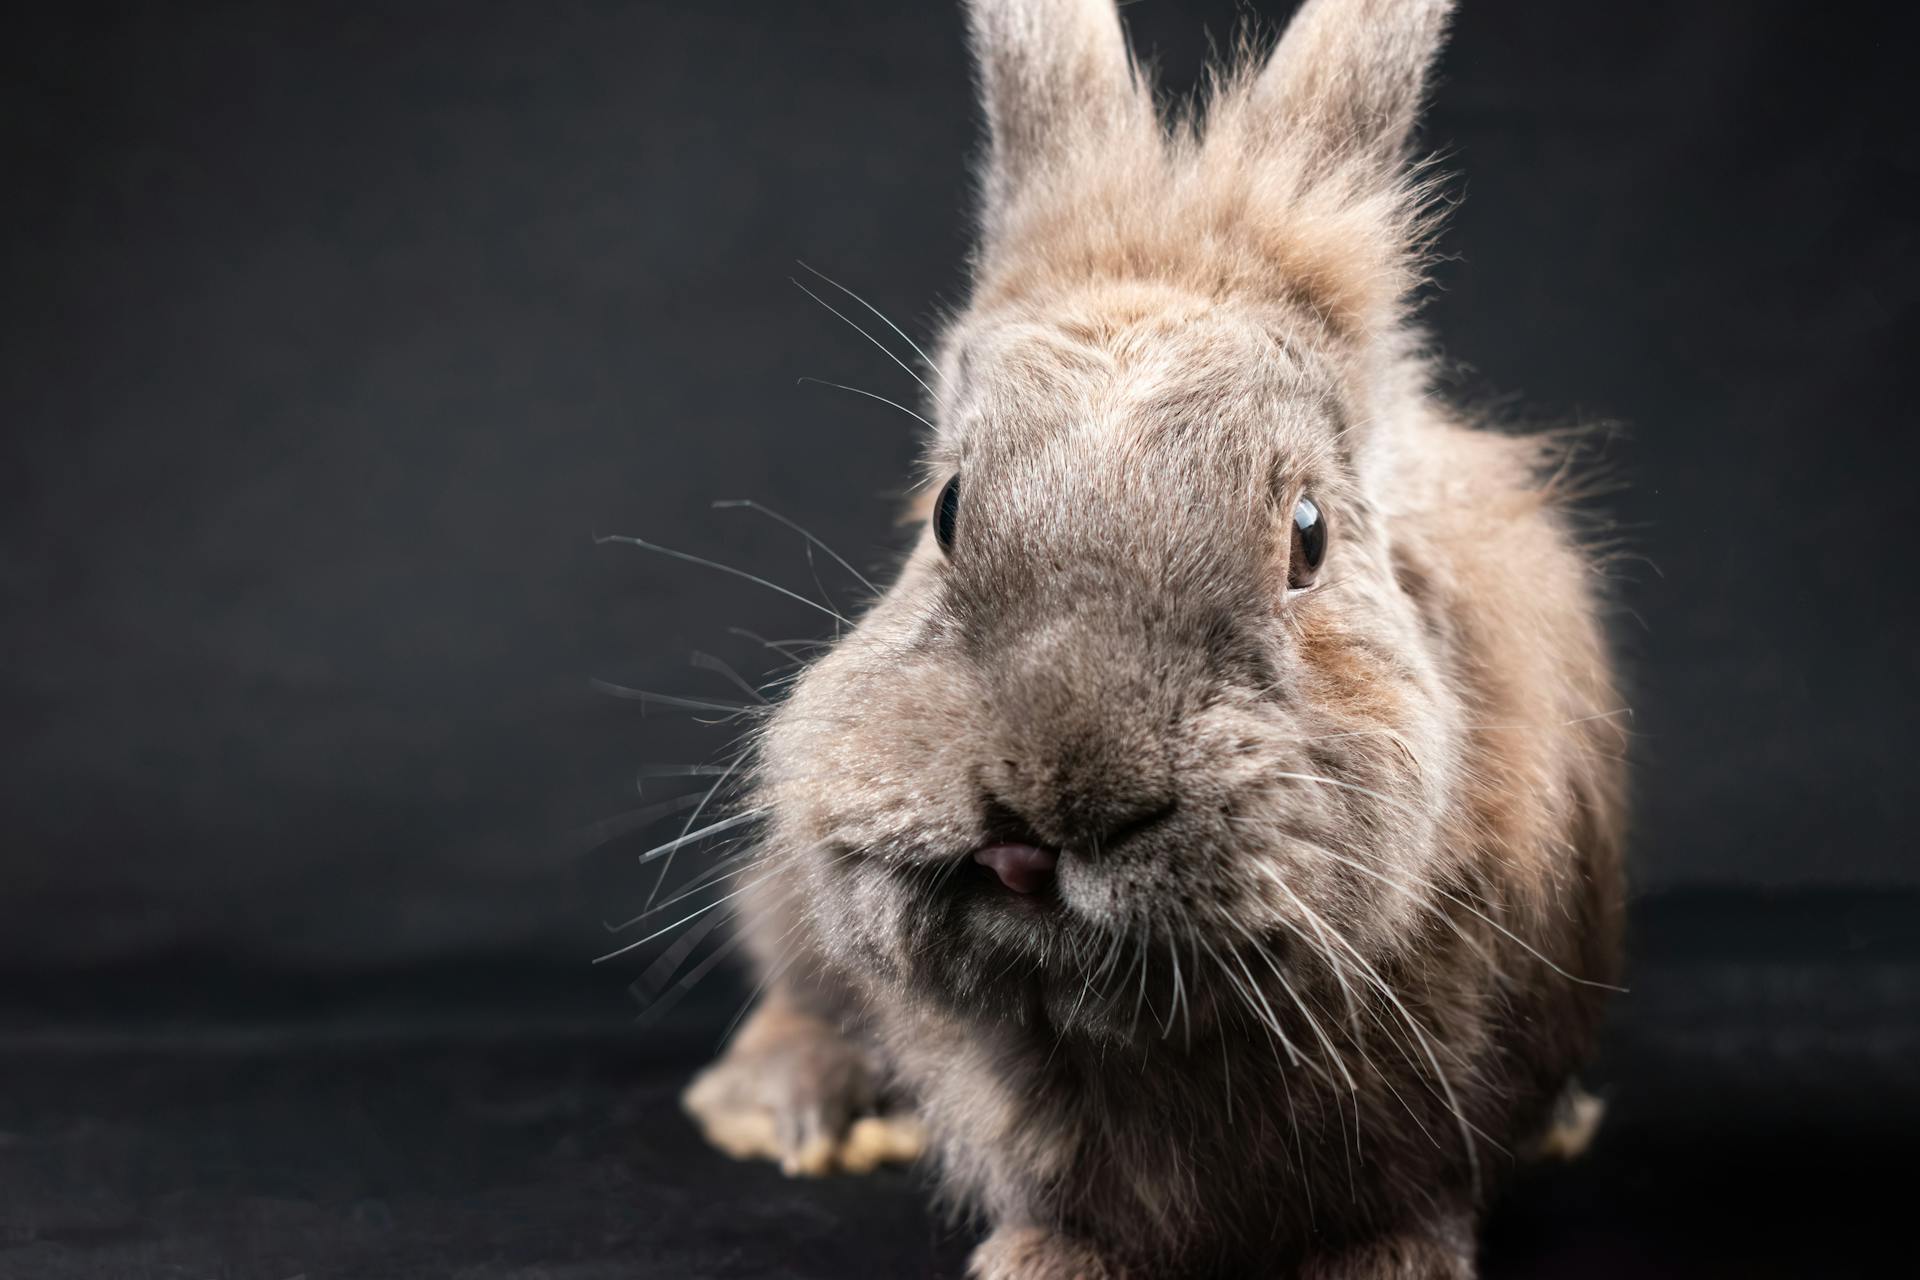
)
(1309, 544)
(946, 514)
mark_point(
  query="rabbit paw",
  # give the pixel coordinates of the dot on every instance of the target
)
(1576, 1118)
(1031, 1253)
(793, 1089)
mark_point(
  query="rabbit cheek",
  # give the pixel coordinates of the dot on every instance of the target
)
(1353, 681)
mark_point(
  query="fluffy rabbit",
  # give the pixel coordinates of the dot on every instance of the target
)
(1211, 839)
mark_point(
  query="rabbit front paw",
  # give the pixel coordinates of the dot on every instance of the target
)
(1033, 1253)
(793, 1089)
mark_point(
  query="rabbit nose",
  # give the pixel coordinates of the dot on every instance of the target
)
(1087, 810)
(1023, 868)
(1105, 819)
(1088, 707)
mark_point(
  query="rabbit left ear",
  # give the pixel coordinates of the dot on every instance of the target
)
(1056, 81)
(1346, 81)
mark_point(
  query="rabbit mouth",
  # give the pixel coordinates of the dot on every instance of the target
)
(1025, 869)
(1010, 882)
(994, 951)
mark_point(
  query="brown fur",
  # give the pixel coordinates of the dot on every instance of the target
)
(1339, 870)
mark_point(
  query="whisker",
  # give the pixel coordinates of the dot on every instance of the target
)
(1467, 1127)
(1313, 1023)
(662, 1005)
(785, 648)
(708, 662)
(643, 544)
(608, 830)
(1273, 1019)
(925, 358)
(861, 391)
(701, 881)
(713, 828)
(1346, 786)
(863, 333)
(1324, 930)
(1146, 954)
(1173, 1004)
(1386, 1029)
(1432, 888)
(1179, 994)
(661, 971)
(663, 699)
(658, 933)
(771, 514)
(679, 770)
(692, 818)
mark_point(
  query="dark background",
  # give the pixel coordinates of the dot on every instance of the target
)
(333, 335)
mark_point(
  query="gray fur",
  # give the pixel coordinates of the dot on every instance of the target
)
(1338, 883)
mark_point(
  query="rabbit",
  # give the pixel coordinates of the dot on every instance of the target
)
(1208, 847)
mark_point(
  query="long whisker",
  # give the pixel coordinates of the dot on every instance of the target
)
(925, 358)
(692, 818)
(861, 391)
(708, 662)
(771, 514)
(691, 915)
(1479, 948)
(1467, 1127)
(1324, 930)
(732, 864)
(1432, 888)
(610, 829)
(679, 770)
(664, 1003)
(661, 971)
(785, 648)
(1173, 1004)
(1386, 1030)
(863, 333)
(1262, 1013)
(712, 828)
(1146, 955)
(1344, 786)
(1313, 1023)
(1180, 994)
(642, 543)
(663, 699)
(1273, 1019)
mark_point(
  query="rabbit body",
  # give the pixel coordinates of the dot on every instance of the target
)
(1210, 842)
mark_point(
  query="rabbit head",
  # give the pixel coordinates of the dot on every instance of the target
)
(1161, 687)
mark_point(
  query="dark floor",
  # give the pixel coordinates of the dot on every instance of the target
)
(497, 1120)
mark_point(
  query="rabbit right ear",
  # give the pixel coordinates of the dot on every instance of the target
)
(1056, 81)
(1346, 82)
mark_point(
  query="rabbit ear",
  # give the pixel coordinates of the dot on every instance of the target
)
(1056, 81)
(1345, 83)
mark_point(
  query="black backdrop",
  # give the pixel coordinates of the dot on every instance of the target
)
(334, 334)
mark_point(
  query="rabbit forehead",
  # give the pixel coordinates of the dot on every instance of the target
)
(1132, 365)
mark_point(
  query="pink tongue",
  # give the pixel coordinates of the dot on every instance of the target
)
(1023, 868)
